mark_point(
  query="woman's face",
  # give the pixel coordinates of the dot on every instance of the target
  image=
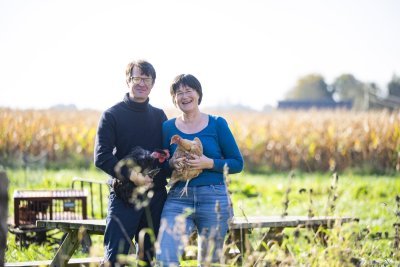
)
(186, 98)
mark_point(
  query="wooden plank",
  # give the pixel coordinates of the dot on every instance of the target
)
(75, 262)
(252, 222)
(249, 222)
(28, 264)
(66, 249)
(3, 214)
(91, 226)
(92, 261)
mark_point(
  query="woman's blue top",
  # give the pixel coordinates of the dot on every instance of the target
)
(218, 144)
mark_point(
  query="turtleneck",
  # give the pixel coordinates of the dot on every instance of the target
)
(136, 106)
(125, 125)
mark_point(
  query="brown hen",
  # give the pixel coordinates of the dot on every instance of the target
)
(185, 149)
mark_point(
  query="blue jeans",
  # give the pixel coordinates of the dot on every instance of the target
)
(124, 222)
(206, 209)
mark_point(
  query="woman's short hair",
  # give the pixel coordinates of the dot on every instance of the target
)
(146, 68)
(186, 80)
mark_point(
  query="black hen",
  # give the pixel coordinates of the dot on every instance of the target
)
(141, 161)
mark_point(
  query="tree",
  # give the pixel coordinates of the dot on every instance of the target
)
(394, 86)
(373, 100)
(347, 87)
(310, 87)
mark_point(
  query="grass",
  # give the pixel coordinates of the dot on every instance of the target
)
(371, 198)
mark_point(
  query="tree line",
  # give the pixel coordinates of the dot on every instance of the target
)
(346, 87)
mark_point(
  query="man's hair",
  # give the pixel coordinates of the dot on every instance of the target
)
(146, 68)
(186, 80)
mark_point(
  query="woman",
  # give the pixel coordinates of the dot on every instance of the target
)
(206, 207)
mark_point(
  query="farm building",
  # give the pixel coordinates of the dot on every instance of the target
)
(318, 104)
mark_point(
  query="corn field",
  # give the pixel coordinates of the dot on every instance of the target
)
(320, 140)
(278, 141)
(34, 136)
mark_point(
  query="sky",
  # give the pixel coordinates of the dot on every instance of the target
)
(246, 52)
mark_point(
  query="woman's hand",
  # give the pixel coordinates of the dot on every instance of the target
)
(177, 163)
(200, 162)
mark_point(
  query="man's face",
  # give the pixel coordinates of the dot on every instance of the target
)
(140, 85)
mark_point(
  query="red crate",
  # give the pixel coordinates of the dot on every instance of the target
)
(32, 205)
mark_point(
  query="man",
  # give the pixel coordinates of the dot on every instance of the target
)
(131, 122)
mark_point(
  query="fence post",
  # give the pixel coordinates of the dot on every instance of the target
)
(3, 215)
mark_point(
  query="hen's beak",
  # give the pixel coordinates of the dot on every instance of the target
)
(175, 139)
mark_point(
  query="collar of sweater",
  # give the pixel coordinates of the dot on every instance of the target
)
(136, 106)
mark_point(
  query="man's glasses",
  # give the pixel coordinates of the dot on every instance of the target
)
(136, 80)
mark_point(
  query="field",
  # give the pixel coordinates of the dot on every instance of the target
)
(277, 141)
(372, 199)
(290, 159)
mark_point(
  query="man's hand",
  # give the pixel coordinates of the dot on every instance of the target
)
(140, 180)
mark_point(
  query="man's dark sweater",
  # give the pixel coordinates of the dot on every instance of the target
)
(124, 126)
